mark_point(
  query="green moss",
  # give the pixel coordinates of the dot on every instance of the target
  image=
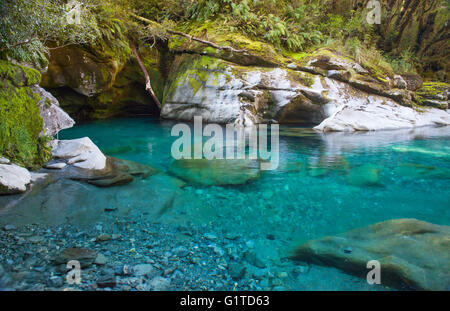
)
(21, 125)
(433, 94)
(18, 75)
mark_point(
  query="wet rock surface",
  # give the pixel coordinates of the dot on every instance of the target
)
(413, 254)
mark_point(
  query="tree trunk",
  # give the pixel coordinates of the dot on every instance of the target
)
(148, 85)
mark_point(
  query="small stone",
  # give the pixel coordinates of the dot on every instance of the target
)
(236, 270)
(282, 275)
(180, 251)
(291, 66)
(100, 259)
(231, 236)
(106, 281)
(159, 283)
(55, 281)
(348, 250)
(103, 237)
(143, 270)
(110, 209)
(36, 239)
(85, 256)
(210, 236)
(253, 259)
(9, 228)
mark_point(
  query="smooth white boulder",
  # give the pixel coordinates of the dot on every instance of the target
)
(13, 179)
(349, 110)
(81, 152)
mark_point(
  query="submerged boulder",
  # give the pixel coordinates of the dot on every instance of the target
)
(217, 172)
(13, 179)
(364, 175)
(117, 172)
(413, 254)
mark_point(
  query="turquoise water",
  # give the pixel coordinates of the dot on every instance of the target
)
(325, 184)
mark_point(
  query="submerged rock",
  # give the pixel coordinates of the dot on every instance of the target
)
(365, 175)
(85, 256)
(413, 254)
(13, 179)
(216, 172)
(117, 172)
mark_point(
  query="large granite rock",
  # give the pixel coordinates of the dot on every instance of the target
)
(413, 254)
(13, 179)
(55, 119)
(221, 91)
(81, 152)
(325, 89)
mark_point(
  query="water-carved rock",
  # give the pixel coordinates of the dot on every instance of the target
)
(413, 254)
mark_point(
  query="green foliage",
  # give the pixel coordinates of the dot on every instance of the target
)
(20, 122)
(26, 26)
(404, 63)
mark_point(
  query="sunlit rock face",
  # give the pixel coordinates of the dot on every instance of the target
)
(413, 254)
(326, 90)
(224, 92)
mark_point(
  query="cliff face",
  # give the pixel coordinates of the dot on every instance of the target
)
(324, 87)
(92, 84)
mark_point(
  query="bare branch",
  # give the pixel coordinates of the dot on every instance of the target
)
(148, 85)
(178, 33)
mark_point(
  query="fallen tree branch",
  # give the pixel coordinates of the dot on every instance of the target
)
(148, 85)
(191, 38)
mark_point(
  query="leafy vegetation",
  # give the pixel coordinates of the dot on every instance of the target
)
(20, 120)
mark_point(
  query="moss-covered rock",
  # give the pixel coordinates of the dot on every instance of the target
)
(81, 70)
(433, 94)
(20, 120)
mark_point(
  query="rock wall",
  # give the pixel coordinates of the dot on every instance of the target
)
(325, 89)
(91, 85)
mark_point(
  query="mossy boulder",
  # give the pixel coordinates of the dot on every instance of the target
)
(83, 71)
(433, 94)
(20, 120)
